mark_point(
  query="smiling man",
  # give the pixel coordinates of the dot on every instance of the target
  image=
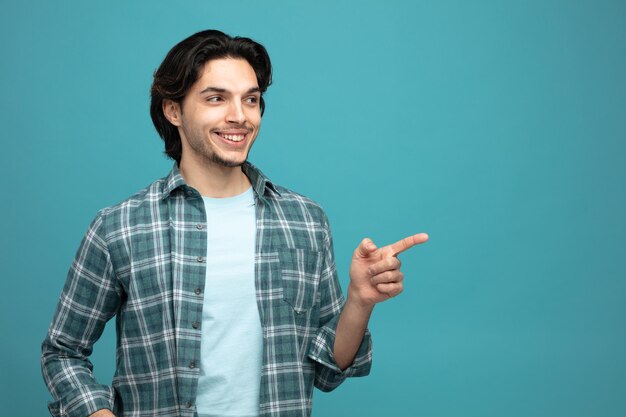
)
(223, 284)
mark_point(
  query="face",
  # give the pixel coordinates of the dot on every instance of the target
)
(220, 116)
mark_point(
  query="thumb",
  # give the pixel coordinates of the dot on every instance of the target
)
(366, 247)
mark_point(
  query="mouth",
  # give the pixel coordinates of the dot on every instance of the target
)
(232, 137)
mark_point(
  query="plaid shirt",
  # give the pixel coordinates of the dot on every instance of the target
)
(143, 262)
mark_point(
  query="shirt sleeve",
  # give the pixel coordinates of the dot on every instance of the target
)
(328, 375)
(90, 297)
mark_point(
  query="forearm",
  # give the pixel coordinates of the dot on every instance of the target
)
(350, 330)
(66, 368)
(69, 378)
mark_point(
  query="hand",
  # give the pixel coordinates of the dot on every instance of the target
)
(375, 272)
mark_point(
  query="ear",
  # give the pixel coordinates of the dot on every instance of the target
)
(172, 112)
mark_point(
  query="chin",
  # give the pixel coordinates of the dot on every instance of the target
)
(228, 163)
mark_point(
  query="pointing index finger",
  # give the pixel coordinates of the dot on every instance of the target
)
(407, 243)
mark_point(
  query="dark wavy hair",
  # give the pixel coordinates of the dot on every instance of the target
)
(181, 67)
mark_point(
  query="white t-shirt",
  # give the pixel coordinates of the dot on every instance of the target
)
(232, 337)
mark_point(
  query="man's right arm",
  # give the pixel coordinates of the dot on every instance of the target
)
(90, 297)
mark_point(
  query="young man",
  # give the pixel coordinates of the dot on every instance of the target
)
(223, 283)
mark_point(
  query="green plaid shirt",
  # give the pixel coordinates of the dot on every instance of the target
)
(143, 262)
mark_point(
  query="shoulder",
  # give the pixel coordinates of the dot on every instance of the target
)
(296, 204)
(146, 197)
(287, 202)
(300, 221)
(142, 207)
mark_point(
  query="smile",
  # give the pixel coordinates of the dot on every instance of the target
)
(233, 137)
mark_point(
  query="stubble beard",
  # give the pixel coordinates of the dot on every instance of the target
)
(218, 160)
(204, 148)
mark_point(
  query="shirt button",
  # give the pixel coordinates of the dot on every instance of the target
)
(199, 226)
(197, 291)
(200, 259)
(195, 324)
(188, 404)
(192, 364)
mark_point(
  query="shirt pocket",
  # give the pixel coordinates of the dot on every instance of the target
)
(300, 274)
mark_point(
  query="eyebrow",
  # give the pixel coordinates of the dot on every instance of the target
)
(211, 89)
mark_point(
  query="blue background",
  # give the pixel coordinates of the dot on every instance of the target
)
(498, 127)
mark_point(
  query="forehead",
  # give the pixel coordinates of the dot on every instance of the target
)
(232, 74)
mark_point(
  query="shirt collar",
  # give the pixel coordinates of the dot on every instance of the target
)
(173, 181)
(262, 186)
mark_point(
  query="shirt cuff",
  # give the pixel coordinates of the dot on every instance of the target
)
(328, 375)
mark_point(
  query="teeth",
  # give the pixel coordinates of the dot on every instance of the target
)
(234, 138)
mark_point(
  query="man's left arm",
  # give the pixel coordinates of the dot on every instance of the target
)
(374, 277)
(331, 302)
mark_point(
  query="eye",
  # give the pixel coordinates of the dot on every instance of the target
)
(214, 99)
(252, 100)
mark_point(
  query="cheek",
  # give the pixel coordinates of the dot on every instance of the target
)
(254, 117)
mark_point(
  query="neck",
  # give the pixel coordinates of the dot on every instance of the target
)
(213, 180)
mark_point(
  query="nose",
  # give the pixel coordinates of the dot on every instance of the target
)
(235, 113)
